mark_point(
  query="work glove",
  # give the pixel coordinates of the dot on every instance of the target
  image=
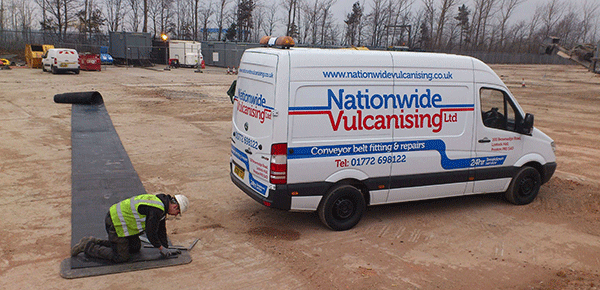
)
(169, 252)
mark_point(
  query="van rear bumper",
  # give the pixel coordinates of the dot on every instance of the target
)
(278, 198)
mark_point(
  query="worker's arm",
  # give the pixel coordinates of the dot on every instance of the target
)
(155, 226)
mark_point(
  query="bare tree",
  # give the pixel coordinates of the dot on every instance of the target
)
(114, 14)
(589, 14)
(222, 6)
(59, 14)
(2, 27)
(206, 12)
(552, 13)
(326, 10)
(311, 18)
(160, 13)
(532, 40)
(447, 5)
(195, 4)
(516, 37)
(291, 6)
(352, 23)
(507, 7)
(134, 14)
(376, 21)
(270, 20)
(145, 12)
(481, 16)
(24, 15)
(567, 29)
(400, 20)
(426, 27)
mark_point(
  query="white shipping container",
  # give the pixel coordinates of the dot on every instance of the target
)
(187, 52)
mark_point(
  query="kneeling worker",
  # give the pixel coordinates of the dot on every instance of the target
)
(127, 220)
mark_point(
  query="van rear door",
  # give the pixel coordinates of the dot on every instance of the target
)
(252, 122)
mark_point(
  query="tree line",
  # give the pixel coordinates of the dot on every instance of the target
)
(448, 25)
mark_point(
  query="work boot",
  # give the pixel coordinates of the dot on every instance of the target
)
(80, 246)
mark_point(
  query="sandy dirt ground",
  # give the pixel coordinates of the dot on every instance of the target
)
(175, 126)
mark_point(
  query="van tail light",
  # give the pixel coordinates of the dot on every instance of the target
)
(55, 62)
(278, 164)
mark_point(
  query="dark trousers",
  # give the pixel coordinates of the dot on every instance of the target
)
(116, 249)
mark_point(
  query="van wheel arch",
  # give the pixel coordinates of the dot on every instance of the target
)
(359, 185)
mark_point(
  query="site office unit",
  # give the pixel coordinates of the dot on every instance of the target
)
(337, 130)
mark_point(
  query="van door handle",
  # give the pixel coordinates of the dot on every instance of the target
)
(484, 140)
(248, 151)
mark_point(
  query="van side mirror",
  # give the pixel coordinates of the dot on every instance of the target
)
(526, 124)
(231, 90)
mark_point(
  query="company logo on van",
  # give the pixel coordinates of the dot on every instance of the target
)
(253, 105)
(429, 110)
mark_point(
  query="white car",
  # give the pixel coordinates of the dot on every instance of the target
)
(61, 59)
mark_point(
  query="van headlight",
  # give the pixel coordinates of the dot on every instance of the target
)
(553, 145)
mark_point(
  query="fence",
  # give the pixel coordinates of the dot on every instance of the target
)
(221, 54)
(15, 41)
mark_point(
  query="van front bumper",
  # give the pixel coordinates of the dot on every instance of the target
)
(548, 171)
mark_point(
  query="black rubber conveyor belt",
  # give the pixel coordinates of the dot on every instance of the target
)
(101, 176)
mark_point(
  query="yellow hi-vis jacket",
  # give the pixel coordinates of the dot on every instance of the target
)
(126, 218)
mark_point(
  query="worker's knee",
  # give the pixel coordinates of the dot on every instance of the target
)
(135, 245)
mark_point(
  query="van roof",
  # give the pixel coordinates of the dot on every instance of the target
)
(69, 49)
(316, 57)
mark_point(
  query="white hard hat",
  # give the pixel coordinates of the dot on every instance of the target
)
(183, 202)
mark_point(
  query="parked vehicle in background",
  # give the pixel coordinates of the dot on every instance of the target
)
(61, 60)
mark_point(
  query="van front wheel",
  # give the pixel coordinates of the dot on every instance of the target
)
(342, 207)
(525, 186)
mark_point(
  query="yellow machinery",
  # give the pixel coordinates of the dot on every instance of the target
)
(34, 53)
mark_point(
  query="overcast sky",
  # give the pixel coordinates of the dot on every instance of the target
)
(342, 7)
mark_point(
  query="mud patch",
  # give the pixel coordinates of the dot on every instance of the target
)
(276, 234)
(571, 279)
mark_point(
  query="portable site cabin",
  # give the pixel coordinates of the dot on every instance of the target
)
(130, 46)
(186, 52)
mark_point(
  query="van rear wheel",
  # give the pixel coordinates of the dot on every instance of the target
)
(524, 187)
(342, 207)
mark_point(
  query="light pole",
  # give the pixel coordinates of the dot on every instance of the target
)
(165, 39)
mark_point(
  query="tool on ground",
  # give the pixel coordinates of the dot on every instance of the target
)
(178, 247)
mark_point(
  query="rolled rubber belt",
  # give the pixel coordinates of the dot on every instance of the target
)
(102, 175)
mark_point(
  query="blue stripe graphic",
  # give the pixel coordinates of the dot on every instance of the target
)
(392, 147)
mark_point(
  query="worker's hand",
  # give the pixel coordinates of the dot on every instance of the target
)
(169, 252)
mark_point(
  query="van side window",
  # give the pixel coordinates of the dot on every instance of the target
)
(496, 110)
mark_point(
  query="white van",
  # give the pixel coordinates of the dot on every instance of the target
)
(61, 60)
(337, 130)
